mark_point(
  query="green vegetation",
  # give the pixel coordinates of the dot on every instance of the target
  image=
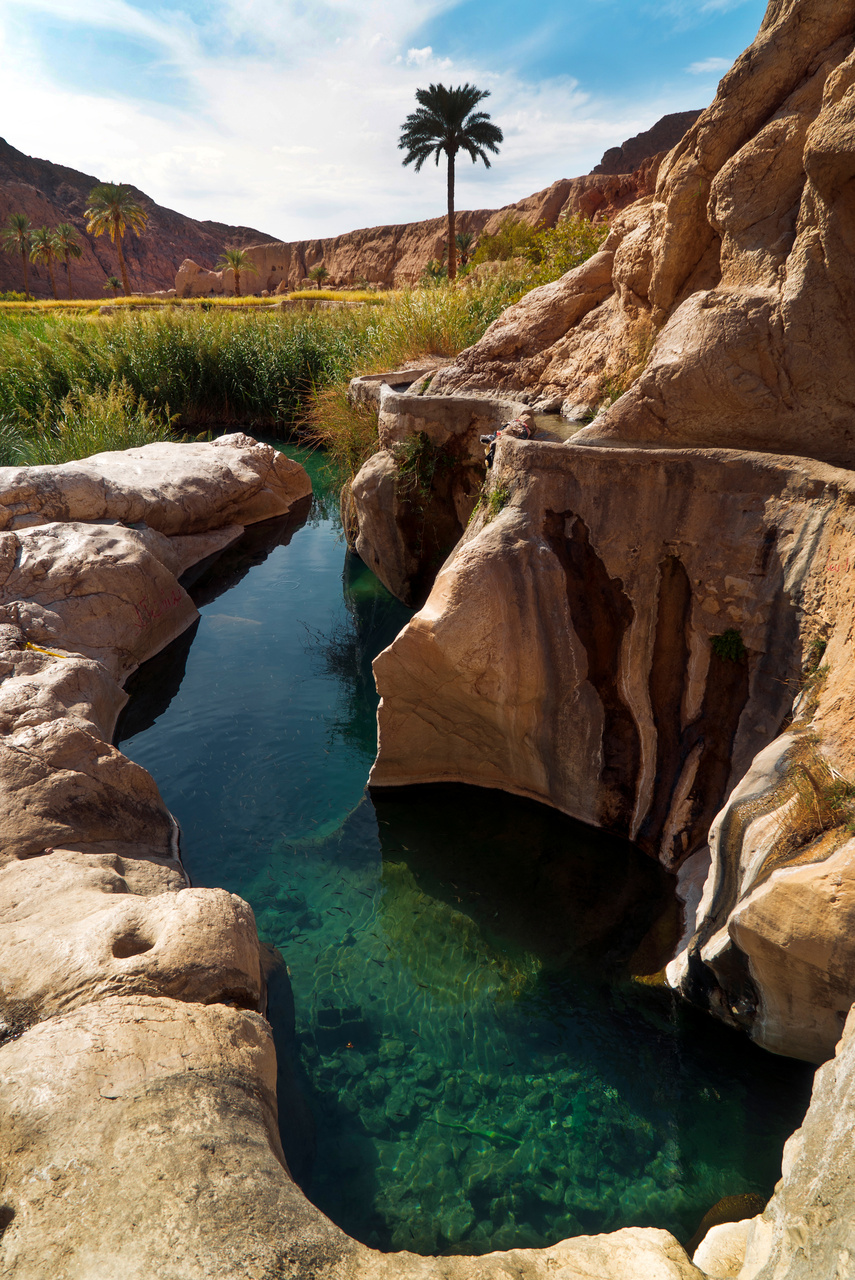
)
(819, 801)
(419, 459)
(16, 239)
(67, 247)
(318, 274)
(497, 499)
(728, 646)
(446, 121)
(44, 247)
(271, 370)
(537, 255)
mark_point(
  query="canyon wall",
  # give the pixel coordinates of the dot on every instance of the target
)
(51, 193)
(627, 622)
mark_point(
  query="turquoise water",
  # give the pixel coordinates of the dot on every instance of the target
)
(473, 1066)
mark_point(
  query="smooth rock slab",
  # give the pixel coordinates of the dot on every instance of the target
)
(174, 488)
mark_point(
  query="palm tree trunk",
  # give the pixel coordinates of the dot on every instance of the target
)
(452, 247)
(237, 284)
(26, 273)
(52, 279)
(124, 270)
(68, 273)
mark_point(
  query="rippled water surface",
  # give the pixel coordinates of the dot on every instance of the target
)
(474, 1067)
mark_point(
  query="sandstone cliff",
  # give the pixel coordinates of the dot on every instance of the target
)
(51, 193)
(626, 623)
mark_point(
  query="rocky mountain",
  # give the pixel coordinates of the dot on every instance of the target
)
(664, 135)
(50, 193)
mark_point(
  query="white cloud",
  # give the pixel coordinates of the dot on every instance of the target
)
(419, 57)
(296, 114)
(710, 66)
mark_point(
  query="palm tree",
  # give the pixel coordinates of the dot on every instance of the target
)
(114, 283)
(44, 248)
(238, 260)
(68, 246)
(16, 239)
(463, 240)
(113, 207)
(446, 121)
(318, 274)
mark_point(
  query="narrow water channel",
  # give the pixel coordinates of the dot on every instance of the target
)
(474, 1066)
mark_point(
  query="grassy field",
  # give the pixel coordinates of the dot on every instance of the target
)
(72, 383)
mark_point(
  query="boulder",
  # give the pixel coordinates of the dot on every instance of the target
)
(173, 488)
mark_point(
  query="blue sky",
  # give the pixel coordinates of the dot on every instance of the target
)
(284, 114)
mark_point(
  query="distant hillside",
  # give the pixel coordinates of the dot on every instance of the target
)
(50, 193)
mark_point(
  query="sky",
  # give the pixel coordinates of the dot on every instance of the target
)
(284, 115)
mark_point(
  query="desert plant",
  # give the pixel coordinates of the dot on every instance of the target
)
(815, 799)
(318, 274)
(446, 122)
(85, 423)
(16, 239)
(114, 208)
(728, 646)
(237, 260)
(418, 460)
(114, 283)
(44, 248)
(68, 246)
(463, 240)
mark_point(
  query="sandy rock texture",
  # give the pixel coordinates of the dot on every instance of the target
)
(725, 302)
(410, 503)
(568, 653)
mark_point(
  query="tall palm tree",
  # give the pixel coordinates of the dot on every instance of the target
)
(463, 240)
(16, 239)
(114, 208)
(68, 246)
(238, 260)
(44, 248)
(446, 121)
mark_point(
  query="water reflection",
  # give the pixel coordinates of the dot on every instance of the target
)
(473, 1066)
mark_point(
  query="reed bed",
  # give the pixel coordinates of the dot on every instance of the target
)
(172, 371)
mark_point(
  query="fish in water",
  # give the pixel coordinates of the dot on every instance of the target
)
(492, 1135)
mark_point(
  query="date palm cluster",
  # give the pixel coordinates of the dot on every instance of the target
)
(113, 208)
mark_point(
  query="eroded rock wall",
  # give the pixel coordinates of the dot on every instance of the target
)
(572, 651)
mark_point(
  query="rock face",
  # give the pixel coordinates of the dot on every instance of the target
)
(734, 266)
(662, 137)
(52, 193)
(806, 1229)
(412, 500)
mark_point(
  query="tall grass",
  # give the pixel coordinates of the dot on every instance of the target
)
(141, 374)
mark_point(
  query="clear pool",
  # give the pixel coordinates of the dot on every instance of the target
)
(475, 1065)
